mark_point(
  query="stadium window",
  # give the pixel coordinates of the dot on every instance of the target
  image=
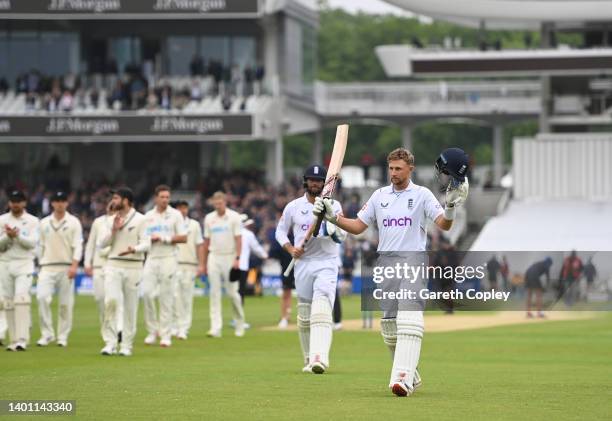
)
(180, 53)
(23, 53)
(243, 51)
(216, 49)
(126, 51)
(59, 53)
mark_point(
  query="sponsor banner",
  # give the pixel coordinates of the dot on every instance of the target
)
(126, 126)
(530, 281)
(147, 8)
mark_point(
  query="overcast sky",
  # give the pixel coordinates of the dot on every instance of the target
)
(368, 6)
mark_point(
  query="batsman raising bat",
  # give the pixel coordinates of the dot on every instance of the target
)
(401, 212)
(315, 253)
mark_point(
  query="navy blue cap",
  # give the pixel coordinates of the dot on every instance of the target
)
(16, 196)
(59, 196)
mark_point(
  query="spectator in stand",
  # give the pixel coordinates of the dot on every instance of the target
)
(152, 103)
(138, 91)
(94, 98)
(249, 79)
(236, 81)
(117, 98)
(215, 69)
(70, 82)
(196, 66)
(33, 80)
(4, 86)
(196, 90)
(66, 103)
(165, 97)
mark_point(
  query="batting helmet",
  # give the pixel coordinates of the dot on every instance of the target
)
(453, 162)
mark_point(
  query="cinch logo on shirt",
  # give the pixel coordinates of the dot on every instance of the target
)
(305, 227)
(397, 222)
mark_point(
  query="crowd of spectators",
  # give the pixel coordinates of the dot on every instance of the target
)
(136, 88)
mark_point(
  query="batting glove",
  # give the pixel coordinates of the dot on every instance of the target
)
(456, 196)
(324, 206)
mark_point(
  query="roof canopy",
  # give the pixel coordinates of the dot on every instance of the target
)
(512, 14)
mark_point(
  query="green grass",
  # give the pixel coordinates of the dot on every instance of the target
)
(560, 370)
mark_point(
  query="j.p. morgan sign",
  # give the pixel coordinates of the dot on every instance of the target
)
(134, 8)
(125, 126)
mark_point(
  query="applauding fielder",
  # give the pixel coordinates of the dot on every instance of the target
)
(19, 237)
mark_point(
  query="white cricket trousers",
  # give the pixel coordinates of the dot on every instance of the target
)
(120, 294)
(15, 284)
(316, 278)
(219, 267)
(50, 280)
(98, 287)
(3, 325)
(183, 303)
(159, 277)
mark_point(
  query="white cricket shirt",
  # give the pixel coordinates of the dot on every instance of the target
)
(61, 241)
(222, 231)
(165, 224)
(188, 252)
(250, 243)
(401, 216)
(24, 245)
(297, 216)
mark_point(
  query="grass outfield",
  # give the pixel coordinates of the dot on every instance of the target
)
(560, 370)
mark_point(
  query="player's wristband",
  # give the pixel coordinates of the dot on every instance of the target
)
(449, 213)
(166, 239)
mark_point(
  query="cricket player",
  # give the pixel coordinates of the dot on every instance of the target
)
(191, 266)
(166, 228)
(61, 249)
(3, 325)
(19, 236)
(249, 244)
(222, 246)
(401, 212)
(316, 270)
(128, 241)
(95, 258)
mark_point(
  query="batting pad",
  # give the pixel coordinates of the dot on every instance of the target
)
(320, 330)
(410, 328)
(303, 323)
(22, 317)
(388, 329)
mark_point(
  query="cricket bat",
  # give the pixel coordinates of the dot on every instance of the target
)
(333, 174)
